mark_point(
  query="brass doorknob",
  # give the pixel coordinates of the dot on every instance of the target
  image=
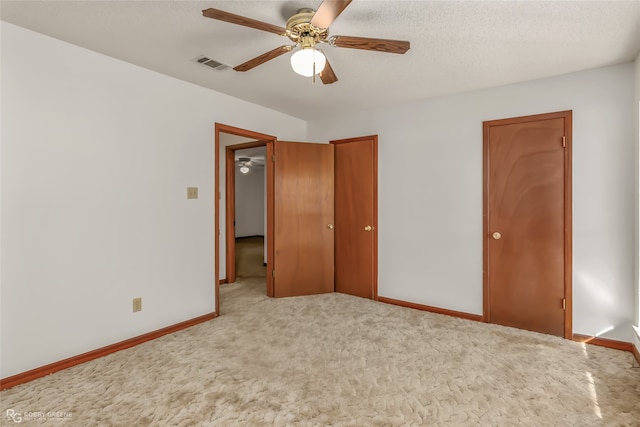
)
(330, 226)
(368, 228)
(496, 235)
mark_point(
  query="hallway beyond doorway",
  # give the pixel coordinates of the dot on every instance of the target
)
(250, 257)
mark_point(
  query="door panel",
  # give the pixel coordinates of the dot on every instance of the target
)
(525, 174)
(356, 216)
(303, 210)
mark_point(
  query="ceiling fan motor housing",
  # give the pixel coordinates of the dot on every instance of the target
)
(300, 30)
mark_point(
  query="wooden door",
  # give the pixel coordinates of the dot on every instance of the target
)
(527, 224)
(303, 243)
(356, 201)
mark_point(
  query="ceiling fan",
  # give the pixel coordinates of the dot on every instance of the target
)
(246, 162)
(306, 29)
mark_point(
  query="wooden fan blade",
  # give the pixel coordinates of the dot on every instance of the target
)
(379, 45)
(221, 15)
(327, 75)
(259, 60)
(328, 12)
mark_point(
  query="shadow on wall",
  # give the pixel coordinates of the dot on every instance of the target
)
(605, 320)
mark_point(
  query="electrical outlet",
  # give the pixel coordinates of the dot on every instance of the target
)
(137, 304)
(192, 192)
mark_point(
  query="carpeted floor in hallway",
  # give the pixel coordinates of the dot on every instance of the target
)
(250, 257)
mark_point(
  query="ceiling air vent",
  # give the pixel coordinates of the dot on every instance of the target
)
(219, 66)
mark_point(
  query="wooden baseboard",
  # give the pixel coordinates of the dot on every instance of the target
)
(604, 342)
(437, 310)
(42, 371)
(635, 352)
(223, 281)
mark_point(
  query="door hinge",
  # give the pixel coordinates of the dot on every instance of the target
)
(564, 141)
(273, 273)
(564, 303)
(273, 158)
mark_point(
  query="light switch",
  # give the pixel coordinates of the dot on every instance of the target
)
(192, 192)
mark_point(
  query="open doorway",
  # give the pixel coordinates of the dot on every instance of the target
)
(248, 210)
(229, 139)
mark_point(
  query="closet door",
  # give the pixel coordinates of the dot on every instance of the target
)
(303, 217)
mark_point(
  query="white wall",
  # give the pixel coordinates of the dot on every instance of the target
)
(430, 191)
(96, 157)
(250, 202)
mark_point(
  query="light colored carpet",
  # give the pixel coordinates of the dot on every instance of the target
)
(338, 360)
(250, 257)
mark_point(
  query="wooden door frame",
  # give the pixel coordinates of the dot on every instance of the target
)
(373, 138)
(568, 267)
(268, 141)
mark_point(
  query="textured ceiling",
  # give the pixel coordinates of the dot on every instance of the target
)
(456, 46)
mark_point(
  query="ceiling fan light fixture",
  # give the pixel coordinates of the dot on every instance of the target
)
(303, 61)
(244, 169)
(308, 28)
